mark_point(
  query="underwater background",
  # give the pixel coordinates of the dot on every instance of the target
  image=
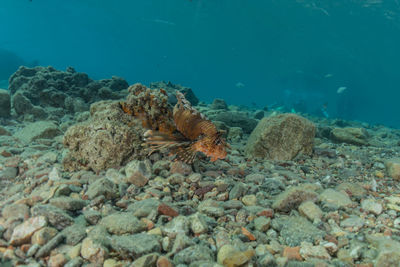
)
(339, 56)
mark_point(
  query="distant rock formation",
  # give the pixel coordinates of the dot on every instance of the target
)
(44, 92)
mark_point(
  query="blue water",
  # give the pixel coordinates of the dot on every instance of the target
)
(258, 52)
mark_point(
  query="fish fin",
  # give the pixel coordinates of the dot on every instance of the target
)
(160, 141)
(186, 154)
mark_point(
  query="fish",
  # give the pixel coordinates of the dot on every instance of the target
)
(195, 133)
(240, 85)
(341, 89)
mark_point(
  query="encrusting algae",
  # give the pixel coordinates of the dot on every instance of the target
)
(183, 131)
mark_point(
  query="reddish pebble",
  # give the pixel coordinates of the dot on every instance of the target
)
(25, 248)
(292, 253)
(164, 262)
(269, 213)
(167, 210)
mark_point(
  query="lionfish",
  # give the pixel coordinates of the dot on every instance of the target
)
(195, 134)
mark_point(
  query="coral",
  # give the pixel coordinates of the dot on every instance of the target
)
(151, 107)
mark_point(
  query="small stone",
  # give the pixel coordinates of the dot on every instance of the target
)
(179, 224)
(262, 224)
(372, 206)
(58, 218)
(335, 198)
(138, 172)
(146, 260)
(120, 223)
(76, 262)
(163, 262)
(8, 173)
(198, 223)
(58, 260)
(180, 167)
(292, 253)
(93, 251)
(291, 198)
(15, 212)
(102, 186)
(239, 259)
(353, 222)
(135, 245)
(44, 235)
(307, 251)
(192, 254)
(68, 203)
(237, 191)
(23, 232)
(311, 211)
(211, 207)
(393, 168)
(249, 200)
(46, 249)
(167, 210)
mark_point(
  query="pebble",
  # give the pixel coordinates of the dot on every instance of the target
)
(23, 232)
(372, 206)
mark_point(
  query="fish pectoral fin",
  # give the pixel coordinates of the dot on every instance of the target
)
(186, 154)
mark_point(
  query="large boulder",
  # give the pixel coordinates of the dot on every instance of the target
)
(350, 135)
(281, 137)
(108, 139)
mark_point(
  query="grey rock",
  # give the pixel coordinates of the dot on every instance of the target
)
(148, 260)
(4, 131)
(75, 262)
(46, 249)
(281, 137)
(179, 224)
(58, 218)
(236, 119)
(138, 172)
(350, 135)
(102, 187)
(74, 233)
(122, 223)
(193, 254)
(294, 230)
(291, 198)
(335, 198)
(144, 207)
(135, 245)
(211, 208)
(68, 203)
(36, 130)
(237, 191)
(15, 211)
(218, 104)
(92, 216)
